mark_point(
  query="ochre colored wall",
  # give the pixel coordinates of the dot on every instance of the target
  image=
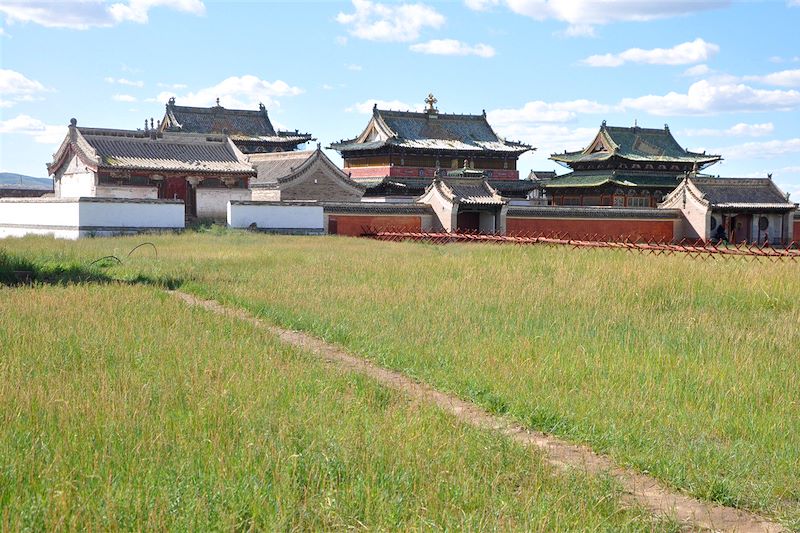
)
(354, 224)
(588, 228)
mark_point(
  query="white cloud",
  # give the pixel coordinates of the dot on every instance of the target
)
(452, 47)
(697, 71)
(123, 81)
(174, 86)
(137, 10)
(481, 5)
(354, 68)
(365, 107)
(582, 15)
(124, 98)
(707, 97)
(784, 78)
(738, 130)
(760, 150)
(18, 88)
(12, 82)
(244, 92)
(392, 23)
(26, 125)
(539, 112)
(85, 14)
(681, 54)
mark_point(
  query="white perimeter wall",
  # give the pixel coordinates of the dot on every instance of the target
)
(213, 203)
(74, 218)
(139, 192)
(275, 216)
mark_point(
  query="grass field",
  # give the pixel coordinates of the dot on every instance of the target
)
(121, 408)
(681, 368)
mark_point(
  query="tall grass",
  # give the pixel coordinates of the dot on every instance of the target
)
(121, 408)
(683, 368)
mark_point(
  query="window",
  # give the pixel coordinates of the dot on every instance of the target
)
(637, 201)
(619, 201)
(763, 223)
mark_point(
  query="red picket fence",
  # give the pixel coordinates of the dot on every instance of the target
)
(632, 243)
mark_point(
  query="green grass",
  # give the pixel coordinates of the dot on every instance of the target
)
(122, 408)
(682, 368)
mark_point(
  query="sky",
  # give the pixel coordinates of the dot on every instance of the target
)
(725, 76)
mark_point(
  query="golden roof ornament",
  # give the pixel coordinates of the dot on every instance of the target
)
(431, 100)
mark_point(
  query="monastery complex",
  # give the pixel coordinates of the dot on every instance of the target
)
(412, 171)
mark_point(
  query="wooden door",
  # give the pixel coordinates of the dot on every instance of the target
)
(173, 189)
(468, 221)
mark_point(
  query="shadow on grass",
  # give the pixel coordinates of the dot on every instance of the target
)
(16, 271)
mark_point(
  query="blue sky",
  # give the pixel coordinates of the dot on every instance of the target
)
(724, 75)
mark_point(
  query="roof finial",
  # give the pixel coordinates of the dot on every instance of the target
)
(171, 100)
(146, 127)
(261, 106)
(374, 107)
(603, 125)
(636, 123)
(319, 147)
(666, 127)
(73, 122)
(431, 100)
(151, 123)
(218, 101)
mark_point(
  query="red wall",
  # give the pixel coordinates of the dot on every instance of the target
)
(354, 224)
(588, 228)
(397, 171)
(796, 234)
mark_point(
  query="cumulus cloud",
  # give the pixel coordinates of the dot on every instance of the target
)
(392, 23)
(539, 112)
(452, 47)
(236, 92)
(697, 71)
(365, 107)
(123, 81)
(760, 150)
(173, 86)
(124, 98)
(33, 127)
(706, 97)
(353, 67)
(582, 15)
(784, 78)
(738, 130)
(481, 5)
(16, 87)
(681, 54)
(85, 14)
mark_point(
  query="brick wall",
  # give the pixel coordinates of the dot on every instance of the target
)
(319, 186)
(354, 225)
(586, 228)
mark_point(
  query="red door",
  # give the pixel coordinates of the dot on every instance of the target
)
(468, 221)
(173, 189)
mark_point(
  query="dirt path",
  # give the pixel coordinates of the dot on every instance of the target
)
(639, 489)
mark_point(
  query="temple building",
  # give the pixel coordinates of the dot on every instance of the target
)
(301, 175)
(405, 144)
(252, 131)
(204, 171)
(624, 167)
(738, 210)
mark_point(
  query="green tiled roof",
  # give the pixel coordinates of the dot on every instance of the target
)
(635, 144)
(595, 178)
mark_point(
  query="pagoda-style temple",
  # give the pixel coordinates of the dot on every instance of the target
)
(251, 131)
(405, 144)
(624, 167)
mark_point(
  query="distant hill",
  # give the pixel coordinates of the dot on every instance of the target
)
(9, 180)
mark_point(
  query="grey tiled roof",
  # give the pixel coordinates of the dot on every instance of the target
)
(239, 124)
(416, 186)
(137, 150)
(741, 193)
(367, 208)
(272, 166)
(468, 191)
(431, 131)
